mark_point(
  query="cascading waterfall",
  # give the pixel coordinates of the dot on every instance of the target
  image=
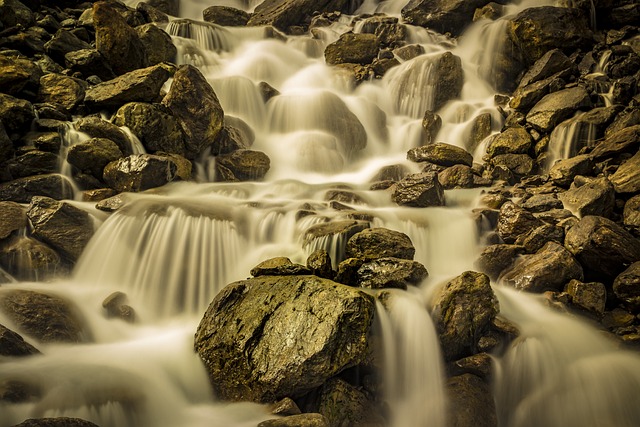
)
(173, 249)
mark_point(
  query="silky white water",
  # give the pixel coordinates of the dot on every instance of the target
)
(173, 249)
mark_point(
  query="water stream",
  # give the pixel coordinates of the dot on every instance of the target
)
(173, 249)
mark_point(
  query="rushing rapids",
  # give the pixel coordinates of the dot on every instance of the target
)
(171, 250)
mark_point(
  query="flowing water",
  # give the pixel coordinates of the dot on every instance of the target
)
(173, 249)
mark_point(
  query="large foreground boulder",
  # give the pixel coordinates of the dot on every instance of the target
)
(269, 337)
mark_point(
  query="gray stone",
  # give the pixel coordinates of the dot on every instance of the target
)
(391, 272)
(551, 268)
(462, 312)
(419, 190)
(23, 189)
(93, 155)
(557, 107)
(589, 196)
(61, 225)
(140, 172)
(269, 337)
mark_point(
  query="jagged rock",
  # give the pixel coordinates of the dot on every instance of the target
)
(56, 422)
(602, 246)
(265, 338)
(13, 345)
(12, 218)
(431, 123)
(408, 52)
(17, 114)
(626, 287)
(348, 271)
(594, 196)
(319, 263)
(26, 258)
(170, 7)
(232, 138)
(514, 221)
(470, 402)
(286, 406)
(141, 85)
(140, 172)
(63, 43)
(457, 176)
(117, 41)
(64, 91)
(514, 140)
(444, 16)
(96, 127)
(440, 153)
(631, 214)
(61, 225)
(343, 404)
(184, 166)
(242, 165)
(375, 243)
(391, 272)
(551, 268)
(564, 171)
(23, 189)
(621, 141)
(279, 266)
(156, 129)
(34, 162)
(14, 13)
(627, 178)
(588, 296)
(89, 62)
(283, 14)
(557, 107)
(388, 31)
(542, 203)
(352, 48)
(494, 259)
(18, 75)
(300, 420)
(551, 63)
(540, 236)
(525, 97)
(520, 165)
(226, 16)
(419, 190)
(157, 43)
(151, 14)
(462, 312)
(93, 155)
(193, 102)
(44, 317)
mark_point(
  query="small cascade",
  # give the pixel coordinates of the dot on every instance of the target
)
(569, 137)
(561, 371)
(207, 35)
(413, 367)
(240, 97)
(412, 86)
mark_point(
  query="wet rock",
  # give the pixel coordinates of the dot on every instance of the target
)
(151, 13)
(494, 259)
(322, 236)
(470, 402)
(156, 129)
(441, 154)
(352, 48)
(13, 345)
(266, 338)
(13, 13)
(557, 107)
(300, 420)
(391, 272)
(319, 263)
(550, 64)
(61, 225)
(621, 141)
(170, 7)
(18, 75)
(56, 422)
(525, 97)
(140, 172)
(141, 85)
(591, 297)
(631, 214)
(184, 166)
(12, 218)
(17, 114)
(285, 407)
(283, 14)
(347, 273)
(389, 33)
(514, 140)
(462, 312)
(117, 41)
(539, 237)
(551, 268)
(96, 127)
(457, 176)
(375, 243)
(91, 156)
(231, 139)
(626, 287)
(542, 203)
(408, 52)
(44, 317)
(193, 102)
(444, 16)
(242, 165)
(627, 178)
(602, 246)
(6, 145)
(226, 16)
(519, 165)
(116, 306)
(157, 43)
(431, 123)
(564, 171)
(63, 43)
(514, 221)
(419, 190)
(279, 266)
(34, 162)
(26, 258)
(23, 189)
(67, 92)
(89, 62)
(589, 196)
(343, 404)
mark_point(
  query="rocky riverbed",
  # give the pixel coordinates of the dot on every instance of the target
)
(558, 219)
